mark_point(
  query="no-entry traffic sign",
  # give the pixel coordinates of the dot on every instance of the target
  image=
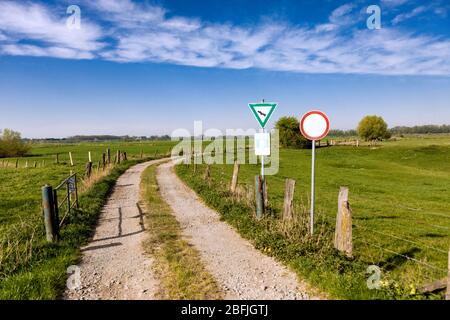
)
(315, 125)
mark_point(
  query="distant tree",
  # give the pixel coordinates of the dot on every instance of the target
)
(11, 144)
(425, 129)
(290, 136)
(373, 128)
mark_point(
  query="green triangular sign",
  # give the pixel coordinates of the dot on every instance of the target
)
(262, 112)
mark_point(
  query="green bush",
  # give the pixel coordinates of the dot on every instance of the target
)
(290, 136)
(373, 128)
(11, 144)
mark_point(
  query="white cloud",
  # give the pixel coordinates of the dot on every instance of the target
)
(408, 15)
(341, 15)
(26, 21)
(393, 3)
(143, 33)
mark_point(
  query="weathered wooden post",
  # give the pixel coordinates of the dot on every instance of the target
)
(17, 163)
(89, 156)
(35, 164)
(118, 157)
(103, 160)
(71, 159)
(88, 169)
(125, 156)
(343, 232)
(259, 196)
(48, 206)
(55, 214)
(288, 207)
(108, 155)
(265, 193)
(207, 172)
(234, 178)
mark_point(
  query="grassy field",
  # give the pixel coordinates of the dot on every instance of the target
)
(30, 268)
(399, 195)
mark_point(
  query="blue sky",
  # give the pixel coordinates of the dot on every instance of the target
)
(144, 68)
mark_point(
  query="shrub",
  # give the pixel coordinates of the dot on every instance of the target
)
(290, 136)
(373, 128)
(11, 144)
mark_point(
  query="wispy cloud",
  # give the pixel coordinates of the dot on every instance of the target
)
(408, 15)
(126, 31)
(394, 3)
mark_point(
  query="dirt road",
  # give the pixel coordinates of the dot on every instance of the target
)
(242, 271)
(114, 265)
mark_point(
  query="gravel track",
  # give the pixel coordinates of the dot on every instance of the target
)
(242, 271)
(114, 265)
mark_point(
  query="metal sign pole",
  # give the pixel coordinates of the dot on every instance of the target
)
(313, 165)
(262, 162)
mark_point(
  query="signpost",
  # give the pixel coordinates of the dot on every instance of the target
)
(314, 126)
(262, 112)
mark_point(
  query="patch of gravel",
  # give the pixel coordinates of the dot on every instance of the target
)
(114, 265)
(242, 271)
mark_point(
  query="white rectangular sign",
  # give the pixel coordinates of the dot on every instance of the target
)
(262, 144)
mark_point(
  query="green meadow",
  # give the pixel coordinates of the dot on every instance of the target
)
(30, 268)
(399, 194)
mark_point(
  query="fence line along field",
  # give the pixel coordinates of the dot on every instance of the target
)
(398, 194)
(30, 267)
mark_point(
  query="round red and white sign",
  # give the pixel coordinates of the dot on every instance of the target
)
(315, 125)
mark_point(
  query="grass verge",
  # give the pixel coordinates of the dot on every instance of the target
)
(312, 258)
(41, 274)
(181, 275)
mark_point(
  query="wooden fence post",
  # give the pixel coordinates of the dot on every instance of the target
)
(88, 169)
(89, 156)
(343, 232)
(288, 212)
(207, 172)
(234, 178)
(118, 157)
(108, 155)
(17, 163)
(259, 196)
(103, 160)
(71, 159)
(35, 164)
(125, 156)
(48, 207)
(265, 193)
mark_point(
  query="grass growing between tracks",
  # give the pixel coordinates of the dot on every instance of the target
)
(179, 270)
(30, 267)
